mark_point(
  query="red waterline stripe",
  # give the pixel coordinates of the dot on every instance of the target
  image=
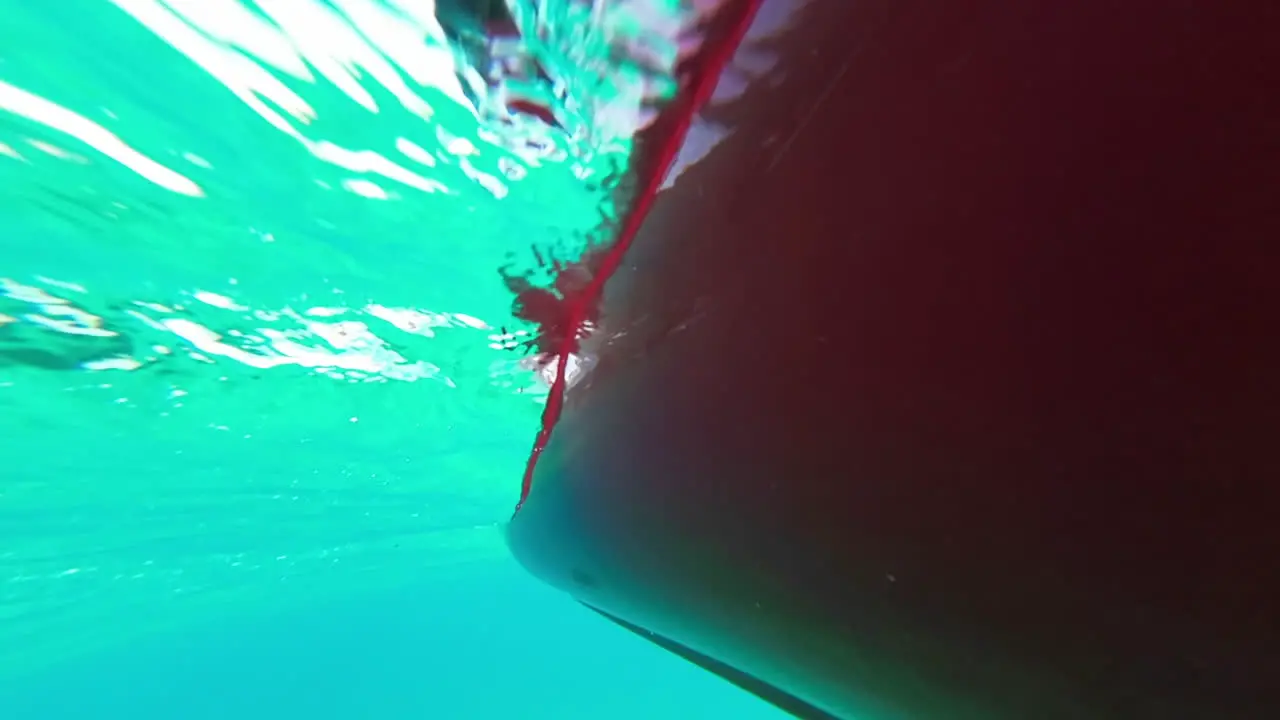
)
(704, 85)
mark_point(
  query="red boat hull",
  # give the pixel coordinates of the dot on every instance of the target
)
(945, 385)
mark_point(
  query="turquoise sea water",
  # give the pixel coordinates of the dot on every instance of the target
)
(260, 425)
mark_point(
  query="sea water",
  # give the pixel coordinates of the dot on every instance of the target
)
(263, 405)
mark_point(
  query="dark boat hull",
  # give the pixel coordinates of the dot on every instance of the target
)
(945, 385)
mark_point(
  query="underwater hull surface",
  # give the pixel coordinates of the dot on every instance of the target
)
(943, 386)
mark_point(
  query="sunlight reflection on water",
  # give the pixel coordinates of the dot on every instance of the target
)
(254, 346)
